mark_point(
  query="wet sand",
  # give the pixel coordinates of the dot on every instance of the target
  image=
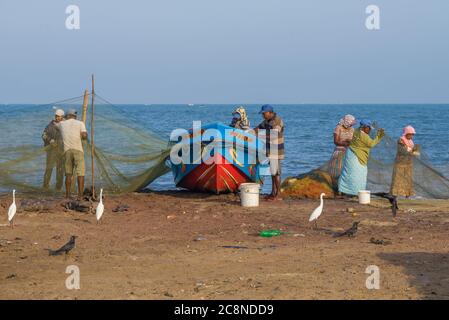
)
(172, 246)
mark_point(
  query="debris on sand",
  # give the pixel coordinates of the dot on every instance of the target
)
(270, 233)
(121, 208)
(11, 276)
(76, 206)
(234, 247)
(379, 241)
(88, 194)
(4, 242)
(35, 205)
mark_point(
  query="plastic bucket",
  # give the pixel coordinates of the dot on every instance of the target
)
(364, 197)
(249, 194)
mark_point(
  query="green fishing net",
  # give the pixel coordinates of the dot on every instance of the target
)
(428, 182)
(126, 157)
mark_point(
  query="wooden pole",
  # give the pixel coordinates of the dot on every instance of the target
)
(92, 141)
(85, 101)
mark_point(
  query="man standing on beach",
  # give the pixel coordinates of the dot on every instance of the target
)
(55, 150)
(274, 133)
(72, 132)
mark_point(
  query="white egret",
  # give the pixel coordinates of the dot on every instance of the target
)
(317, 212)
(100, 207)
(12, 210)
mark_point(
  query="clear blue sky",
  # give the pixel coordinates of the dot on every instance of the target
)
(226, 51)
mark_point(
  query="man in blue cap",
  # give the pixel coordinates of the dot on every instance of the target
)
(274, 133)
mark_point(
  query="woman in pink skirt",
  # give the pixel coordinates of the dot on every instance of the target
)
(342, 137)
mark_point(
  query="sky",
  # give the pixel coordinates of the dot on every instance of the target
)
(226, 51)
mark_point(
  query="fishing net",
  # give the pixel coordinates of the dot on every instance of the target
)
(127, 157)
(428, 182)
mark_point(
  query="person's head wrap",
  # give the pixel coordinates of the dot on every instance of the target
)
(347, 121)
(243, 116)
(408, 142)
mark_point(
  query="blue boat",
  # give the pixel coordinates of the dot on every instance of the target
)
(226, 157)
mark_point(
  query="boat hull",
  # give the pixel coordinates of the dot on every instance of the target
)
(224, 169)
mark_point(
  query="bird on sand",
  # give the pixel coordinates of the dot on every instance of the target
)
(100, 207)
(350, 232)
(393, 201)
(317, 212)
(64, 249)
(12, 210)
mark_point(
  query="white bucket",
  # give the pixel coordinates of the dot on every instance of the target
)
(249, 194)
(364, 197)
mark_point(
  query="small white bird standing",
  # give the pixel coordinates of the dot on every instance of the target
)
(12, 210)
(100, 207)
(317, 212)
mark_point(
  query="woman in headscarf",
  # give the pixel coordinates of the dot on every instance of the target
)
(354, 173)
(402, 182)
(240, 119)
(342, 138)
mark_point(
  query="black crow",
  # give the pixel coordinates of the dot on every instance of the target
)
(393, 201)
(350, 232)
(64, 249)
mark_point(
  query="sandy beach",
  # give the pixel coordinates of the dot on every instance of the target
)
(173, 245)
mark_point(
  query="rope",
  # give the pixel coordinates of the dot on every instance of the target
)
(62, 101)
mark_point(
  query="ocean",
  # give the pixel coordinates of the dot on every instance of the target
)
(308, 127)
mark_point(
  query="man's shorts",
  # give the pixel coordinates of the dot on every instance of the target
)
(74, 159)
(275, 167)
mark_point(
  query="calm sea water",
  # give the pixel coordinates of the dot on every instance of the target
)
(309, 128)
